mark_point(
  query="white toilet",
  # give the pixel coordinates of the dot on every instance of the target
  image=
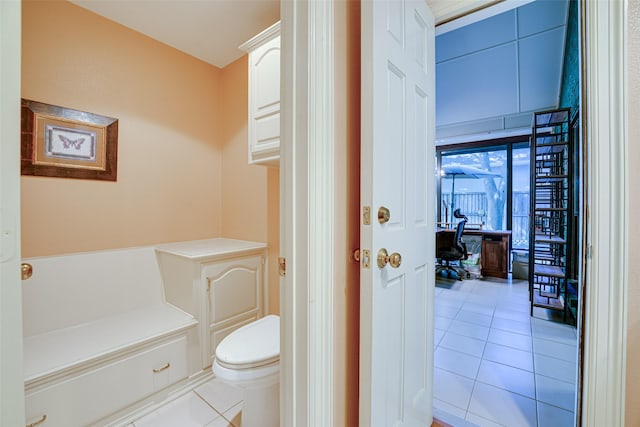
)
(249, 358)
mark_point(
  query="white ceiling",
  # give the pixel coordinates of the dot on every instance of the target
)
(491, 74)
(210, 30)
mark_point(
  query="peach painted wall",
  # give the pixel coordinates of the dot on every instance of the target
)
(250, 193)
(169, 163)
(632, 416)
(182, 145)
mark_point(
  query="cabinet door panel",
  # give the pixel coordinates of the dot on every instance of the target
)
(235, 289)
(264, 97)
(494, 257)
(266, 70)
(267, 132)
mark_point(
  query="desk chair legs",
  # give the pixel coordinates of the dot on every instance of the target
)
(461, 272)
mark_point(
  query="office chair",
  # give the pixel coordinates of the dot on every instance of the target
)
(456, 252)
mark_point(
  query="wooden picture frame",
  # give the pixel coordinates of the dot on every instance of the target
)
(65, 143)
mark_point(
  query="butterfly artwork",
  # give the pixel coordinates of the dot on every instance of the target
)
(75, 143)
(65, 143)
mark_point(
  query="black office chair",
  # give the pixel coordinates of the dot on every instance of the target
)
(454, 253)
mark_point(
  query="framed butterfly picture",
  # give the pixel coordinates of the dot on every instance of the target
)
(66, 143)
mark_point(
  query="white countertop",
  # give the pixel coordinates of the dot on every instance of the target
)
(209, 248)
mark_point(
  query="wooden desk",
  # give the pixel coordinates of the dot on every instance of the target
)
(494, 256)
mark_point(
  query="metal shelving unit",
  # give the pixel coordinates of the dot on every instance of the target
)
(551, 204)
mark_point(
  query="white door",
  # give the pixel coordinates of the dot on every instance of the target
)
(398, 130)
(11, 378)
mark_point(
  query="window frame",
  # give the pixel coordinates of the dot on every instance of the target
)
(496, 144)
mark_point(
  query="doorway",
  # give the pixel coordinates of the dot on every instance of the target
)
(494, 362)
(604, 325)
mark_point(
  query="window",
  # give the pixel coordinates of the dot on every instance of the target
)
(489, 183)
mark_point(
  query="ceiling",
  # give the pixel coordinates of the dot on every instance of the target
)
(491, 74)
(210, 30)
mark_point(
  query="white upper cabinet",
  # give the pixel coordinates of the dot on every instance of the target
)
(264, 96)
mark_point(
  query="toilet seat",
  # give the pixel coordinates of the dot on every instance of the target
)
(249, 358)
(252, 346)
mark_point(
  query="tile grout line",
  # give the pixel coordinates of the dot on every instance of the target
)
(531, 353)
(209, 405)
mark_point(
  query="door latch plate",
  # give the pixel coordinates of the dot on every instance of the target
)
(365, 256)
(366, 215)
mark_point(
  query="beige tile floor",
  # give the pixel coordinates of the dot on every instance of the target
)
(494, 365)
(213, 404)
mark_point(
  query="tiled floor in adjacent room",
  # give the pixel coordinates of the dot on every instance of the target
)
(494, 364)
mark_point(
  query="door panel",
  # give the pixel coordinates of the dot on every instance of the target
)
(396, 330)
(420, 160)
(392, 154)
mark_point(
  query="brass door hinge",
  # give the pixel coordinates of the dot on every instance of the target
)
(282, 267)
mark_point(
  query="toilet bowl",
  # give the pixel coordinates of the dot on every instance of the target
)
(249, 358)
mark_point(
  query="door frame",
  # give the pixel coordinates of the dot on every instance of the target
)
(11, 376)
(307, 232)
(307, 212)
(604, 115)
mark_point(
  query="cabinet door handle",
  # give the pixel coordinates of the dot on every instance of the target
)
(37, 423)
(164, 368)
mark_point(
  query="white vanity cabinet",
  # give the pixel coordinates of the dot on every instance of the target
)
(221, 282)
(264, 96)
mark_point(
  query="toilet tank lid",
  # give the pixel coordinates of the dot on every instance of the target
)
(254, 344)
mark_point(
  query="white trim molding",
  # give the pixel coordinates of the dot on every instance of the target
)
(607, 213)
(307, 213)
(266, 35)
(11, 373)
(321, 194)
(293, 299)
